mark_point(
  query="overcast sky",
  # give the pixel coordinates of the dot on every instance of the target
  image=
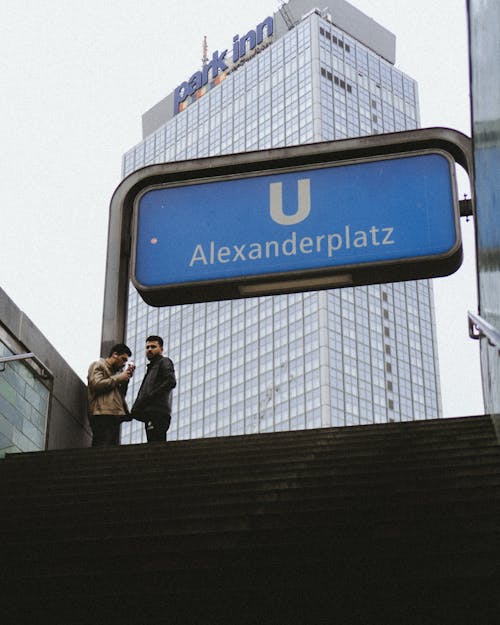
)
(76, 77)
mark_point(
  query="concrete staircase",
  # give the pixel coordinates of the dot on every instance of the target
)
(371, 524)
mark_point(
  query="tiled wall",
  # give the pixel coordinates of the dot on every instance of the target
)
(24, 404)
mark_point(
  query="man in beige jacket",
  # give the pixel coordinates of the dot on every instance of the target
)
(107, 386)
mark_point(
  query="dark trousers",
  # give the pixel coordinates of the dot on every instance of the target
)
(105, 430)
(156, 428)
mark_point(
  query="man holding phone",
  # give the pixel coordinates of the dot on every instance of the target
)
(107, 386)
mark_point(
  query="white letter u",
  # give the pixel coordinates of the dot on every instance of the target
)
(276, 202)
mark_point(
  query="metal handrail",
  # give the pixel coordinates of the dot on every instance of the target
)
(46, 373)
(479, 328)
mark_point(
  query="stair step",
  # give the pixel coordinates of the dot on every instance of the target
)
(285, 523)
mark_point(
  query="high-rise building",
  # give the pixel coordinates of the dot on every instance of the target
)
(329, 358)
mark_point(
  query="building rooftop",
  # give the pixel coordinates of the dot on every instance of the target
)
(340, 13)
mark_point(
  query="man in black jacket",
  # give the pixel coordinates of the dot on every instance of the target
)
(153, 402)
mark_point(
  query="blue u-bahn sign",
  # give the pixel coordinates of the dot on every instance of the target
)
(385, 218)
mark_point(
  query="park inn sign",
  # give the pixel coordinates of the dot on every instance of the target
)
(218, 66)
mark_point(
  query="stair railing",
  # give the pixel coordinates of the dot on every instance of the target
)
(480, 328)
(46, 373)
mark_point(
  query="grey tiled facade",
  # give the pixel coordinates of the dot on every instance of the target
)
(24, 406)
(43, 402)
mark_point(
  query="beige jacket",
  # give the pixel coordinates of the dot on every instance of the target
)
(106, 395)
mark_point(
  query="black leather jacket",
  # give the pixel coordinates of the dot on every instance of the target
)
(154, 395)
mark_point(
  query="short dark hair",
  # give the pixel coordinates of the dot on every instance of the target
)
(155, 339)
(120, 348)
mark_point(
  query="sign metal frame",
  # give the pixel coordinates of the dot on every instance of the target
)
(454, 144)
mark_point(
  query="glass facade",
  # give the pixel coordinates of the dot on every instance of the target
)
(24, 406)
(307, 360)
